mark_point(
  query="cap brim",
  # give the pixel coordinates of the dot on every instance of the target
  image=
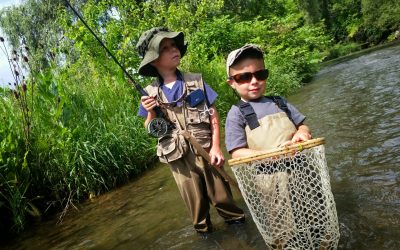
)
(234, 55)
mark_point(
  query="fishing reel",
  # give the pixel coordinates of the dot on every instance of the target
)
(158, 127)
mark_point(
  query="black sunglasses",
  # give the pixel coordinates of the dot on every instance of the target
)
(246, 77)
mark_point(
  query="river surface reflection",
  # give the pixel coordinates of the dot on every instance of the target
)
(354, 105)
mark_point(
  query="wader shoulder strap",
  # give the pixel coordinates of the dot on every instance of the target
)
(282, 105)
(251, 118)
(248, 112)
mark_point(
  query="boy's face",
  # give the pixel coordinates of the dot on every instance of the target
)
(169, 55)
(253, 88)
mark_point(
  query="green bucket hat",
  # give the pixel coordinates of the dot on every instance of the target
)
(148, 47)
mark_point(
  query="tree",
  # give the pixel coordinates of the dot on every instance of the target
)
(312, 8)
(380, 18)
(33, 24)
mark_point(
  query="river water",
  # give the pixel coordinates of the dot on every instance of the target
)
(355, 105)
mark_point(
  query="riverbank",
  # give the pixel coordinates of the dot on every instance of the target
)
(358, 53)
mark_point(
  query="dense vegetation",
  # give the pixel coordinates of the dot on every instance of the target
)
(68, 126)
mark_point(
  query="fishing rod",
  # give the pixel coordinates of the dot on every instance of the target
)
(157, 127)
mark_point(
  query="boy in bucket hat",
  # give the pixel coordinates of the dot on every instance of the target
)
(188, 103)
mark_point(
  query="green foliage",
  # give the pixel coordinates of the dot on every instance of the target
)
(265, 9)
(348, 19)
(355, 20)
(15, 135)
(88, 131)
(380, 18)
(313, 10)
(339, 50)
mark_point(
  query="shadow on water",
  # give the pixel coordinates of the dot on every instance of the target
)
(354, 105)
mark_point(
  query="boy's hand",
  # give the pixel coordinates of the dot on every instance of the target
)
(301, 135)
(148, 102)
(217, 157)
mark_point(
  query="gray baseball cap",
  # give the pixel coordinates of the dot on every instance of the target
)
(149, 44)
(234, 55)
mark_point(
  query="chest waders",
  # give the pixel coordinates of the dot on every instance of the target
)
(265, 134)
(271, 130)
(186, 151)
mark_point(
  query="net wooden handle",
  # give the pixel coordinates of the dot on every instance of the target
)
(279, 151)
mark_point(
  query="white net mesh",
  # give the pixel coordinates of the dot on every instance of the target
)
(290, 199)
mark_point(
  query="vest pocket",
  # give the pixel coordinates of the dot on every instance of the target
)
(202, 135)
(171, 147)
(204, 141)
(194, 115)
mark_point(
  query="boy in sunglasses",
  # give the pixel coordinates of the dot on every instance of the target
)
(188, 103)
(259, 123)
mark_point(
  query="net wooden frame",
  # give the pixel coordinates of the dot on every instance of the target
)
(280, 151)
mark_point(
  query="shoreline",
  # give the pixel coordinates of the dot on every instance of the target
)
(358, 53)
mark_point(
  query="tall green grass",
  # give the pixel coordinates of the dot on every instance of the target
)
(85, 139)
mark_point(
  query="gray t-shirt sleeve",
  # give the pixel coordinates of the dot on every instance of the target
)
(235, 134)
(297, 117)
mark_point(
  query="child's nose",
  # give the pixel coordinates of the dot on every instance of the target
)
(253, 79)
(173, 48)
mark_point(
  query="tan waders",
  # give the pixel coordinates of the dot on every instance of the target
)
(274, 130)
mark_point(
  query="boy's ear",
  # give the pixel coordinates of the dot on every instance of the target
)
(230, 82)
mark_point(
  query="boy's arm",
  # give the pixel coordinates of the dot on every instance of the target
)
(217, 157)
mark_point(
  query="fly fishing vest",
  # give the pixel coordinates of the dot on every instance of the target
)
(173, 146)
(271, 130)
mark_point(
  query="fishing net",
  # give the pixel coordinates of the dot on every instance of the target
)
(288, 194)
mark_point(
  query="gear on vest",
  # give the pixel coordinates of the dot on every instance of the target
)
(172, 146)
